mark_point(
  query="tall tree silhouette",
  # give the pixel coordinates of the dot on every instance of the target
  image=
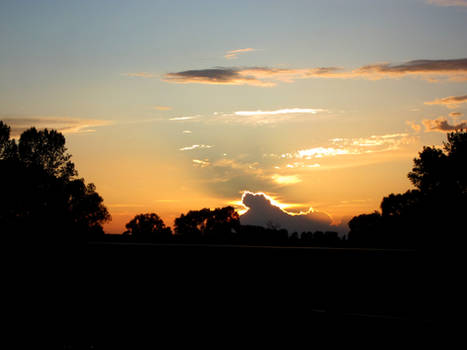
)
(40, 194)
(430, 214)
(148, 227)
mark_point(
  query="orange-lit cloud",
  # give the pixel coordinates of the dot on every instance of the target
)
(432, 70)
(441, 124)
(416, 127)
(63, 124)
(456, 114)
(455, 69)
(462, 3)
(450, 101)
(233, 54)
(353, 146)
(286, 179)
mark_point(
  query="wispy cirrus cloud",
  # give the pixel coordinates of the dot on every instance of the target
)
(448, 3)
(450, 101)
(266, 117)
(233, 54)
(193, 147)
(63, 124)
(441, 124)
(352, 146)
(432, 70)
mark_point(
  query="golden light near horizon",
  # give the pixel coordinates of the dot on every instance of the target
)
(162, 119)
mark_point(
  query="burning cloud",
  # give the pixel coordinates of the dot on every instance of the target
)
(450, 101)
(454, 69)
(265, 211)
(441, 124)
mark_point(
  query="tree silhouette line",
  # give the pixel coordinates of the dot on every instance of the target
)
(42, 192)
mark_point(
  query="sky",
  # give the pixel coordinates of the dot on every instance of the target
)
(313, 107)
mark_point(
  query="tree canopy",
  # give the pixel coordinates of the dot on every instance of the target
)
(431, 213)
(148, 227)
(40, 189)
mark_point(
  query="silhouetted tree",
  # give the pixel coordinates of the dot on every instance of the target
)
(40, 192)
(148, 227)
(428, 215)
(220, 224)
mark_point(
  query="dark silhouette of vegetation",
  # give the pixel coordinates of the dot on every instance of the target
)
(41, 195)
(148, 227)
(429, 215)
(218, 225)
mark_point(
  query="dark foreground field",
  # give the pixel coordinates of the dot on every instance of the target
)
(207, 289)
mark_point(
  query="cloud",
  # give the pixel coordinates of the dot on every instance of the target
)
(450, 101)
(279, 111)
(64, 125)
(163, 108)
(353, 146)
(416, 67)
(233, 54)
(286, 179)
(415, 127)
(193, 147)
(264, 211)
(453, 69)
(456, 114)
(448, 2)
(215, 76)
(198, 163)
(441, 124)
(183, 118)
(187, 132)
(260, 117)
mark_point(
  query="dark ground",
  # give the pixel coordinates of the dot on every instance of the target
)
(203, 293)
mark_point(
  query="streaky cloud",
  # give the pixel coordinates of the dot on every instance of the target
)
(193, 147)
(233, 54)
(65, 125)
(431, 70)
(441, 124)
(450, 101)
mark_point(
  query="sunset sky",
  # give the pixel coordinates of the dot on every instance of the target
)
(174, 105)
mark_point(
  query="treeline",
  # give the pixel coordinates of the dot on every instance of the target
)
(42, 198)
(218, 226)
